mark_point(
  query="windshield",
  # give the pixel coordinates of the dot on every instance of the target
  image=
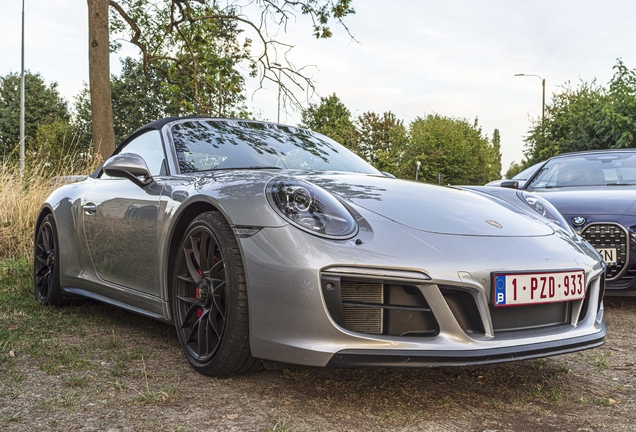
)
(204, 145)
(594, 169)
(526, 173)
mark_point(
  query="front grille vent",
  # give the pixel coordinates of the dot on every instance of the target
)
(357, 317)
(609, 236)
(374, 307)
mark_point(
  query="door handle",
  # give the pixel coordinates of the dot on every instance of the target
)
(89, 208)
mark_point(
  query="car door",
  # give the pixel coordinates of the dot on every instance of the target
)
(121, 219)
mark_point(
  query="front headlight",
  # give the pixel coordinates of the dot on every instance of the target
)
(311, 208)
(545, 209)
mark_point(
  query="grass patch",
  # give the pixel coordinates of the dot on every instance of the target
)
(601, 361)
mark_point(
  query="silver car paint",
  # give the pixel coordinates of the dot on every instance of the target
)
(288, 317)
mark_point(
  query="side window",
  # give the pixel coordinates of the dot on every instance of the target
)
(150, 148)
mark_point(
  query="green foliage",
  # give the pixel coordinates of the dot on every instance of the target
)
(191, 64)
(377, 136)
(514, 169)
(138, 98)
(43, 106)
(451, 147)
(331, 118)
(587, 117)
(496, 147)
(321, 13)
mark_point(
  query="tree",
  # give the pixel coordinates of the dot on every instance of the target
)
(377, 136)
(450, 147)
(43, 106)
(139, 97)
(571, 123)
(496, 147)
(514, 169)
(587, 117)
(149, 24)
(332, 118)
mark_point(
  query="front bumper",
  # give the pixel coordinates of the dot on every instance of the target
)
(292, 322)
(440, 358)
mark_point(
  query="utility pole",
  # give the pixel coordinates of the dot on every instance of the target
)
(22, 102)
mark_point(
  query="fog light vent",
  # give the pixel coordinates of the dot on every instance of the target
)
(362, 306)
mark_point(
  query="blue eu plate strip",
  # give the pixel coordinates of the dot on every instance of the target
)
(500, 289)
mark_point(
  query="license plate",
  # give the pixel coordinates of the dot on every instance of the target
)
(514, 289)
(609, 256)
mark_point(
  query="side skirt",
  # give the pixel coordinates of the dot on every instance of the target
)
(159, 310)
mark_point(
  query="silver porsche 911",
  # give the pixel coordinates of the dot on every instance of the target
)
(267, 244)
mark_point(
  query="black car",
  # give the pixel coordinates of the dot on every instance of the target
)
(595, 191)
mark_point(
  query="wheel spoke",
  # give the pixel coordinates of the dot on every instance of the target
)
(218, 306)
(206, 240)
(215, 271)
(215, 326)
(46, 239)
(46, 280)
(193, 332)
(194, 274)
(42, 270)
(185, 278)
(202, 339)
(188, 300)
(195, 244)
(186, 320)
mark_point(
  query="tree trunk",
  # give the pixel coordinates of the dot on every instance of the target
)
(99, 78)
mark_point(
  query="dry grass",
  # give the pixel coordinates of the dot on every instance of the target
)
(21, 197)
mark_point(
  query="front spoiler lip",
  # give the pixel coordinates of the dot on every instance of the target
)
(442, 358)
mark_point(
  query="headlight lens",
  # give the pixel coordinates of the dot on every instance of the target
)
(545, 209)
(311, 208)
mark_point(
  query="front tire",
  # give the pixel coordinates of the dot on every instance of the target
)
(46, 267)
(209, 299)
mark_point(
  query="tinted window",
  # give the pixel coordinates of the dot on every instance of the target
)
(598, 169)
(226, 144)
(150, 147)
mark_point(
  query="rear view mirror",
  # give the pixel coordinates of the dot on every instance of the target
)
(511, 184)
(130, 166)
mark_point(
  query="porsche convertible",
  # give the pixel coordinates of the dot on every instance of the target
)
(265, 245)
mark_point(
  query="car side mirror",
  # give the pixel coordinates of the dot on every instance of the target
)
(511, 184)
(130, 166)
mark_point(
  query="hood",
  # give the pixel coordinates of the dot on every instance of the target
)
(598, 200)
(431, 208)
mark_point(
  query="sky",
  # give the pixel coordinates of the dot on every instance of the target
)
(456, 58)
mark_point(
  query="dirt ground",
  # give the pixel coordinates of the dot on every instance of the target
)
(119, 371)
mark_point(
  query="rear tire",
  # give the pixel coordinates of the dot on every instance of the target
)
(209, 299)
(46, 267)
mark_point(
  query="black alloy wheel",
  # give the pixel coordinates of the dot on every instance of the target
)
(46, 272)
(209, 298)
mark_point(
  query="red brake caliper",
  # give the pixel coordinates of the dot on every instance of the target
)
(196, 294)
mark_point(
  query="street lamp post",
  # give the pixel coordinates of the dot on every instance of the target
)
(22, 101)
(417, 171)
(543, 100)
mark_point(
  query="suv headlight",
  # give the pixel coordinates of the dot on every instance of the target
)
(311, 208)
